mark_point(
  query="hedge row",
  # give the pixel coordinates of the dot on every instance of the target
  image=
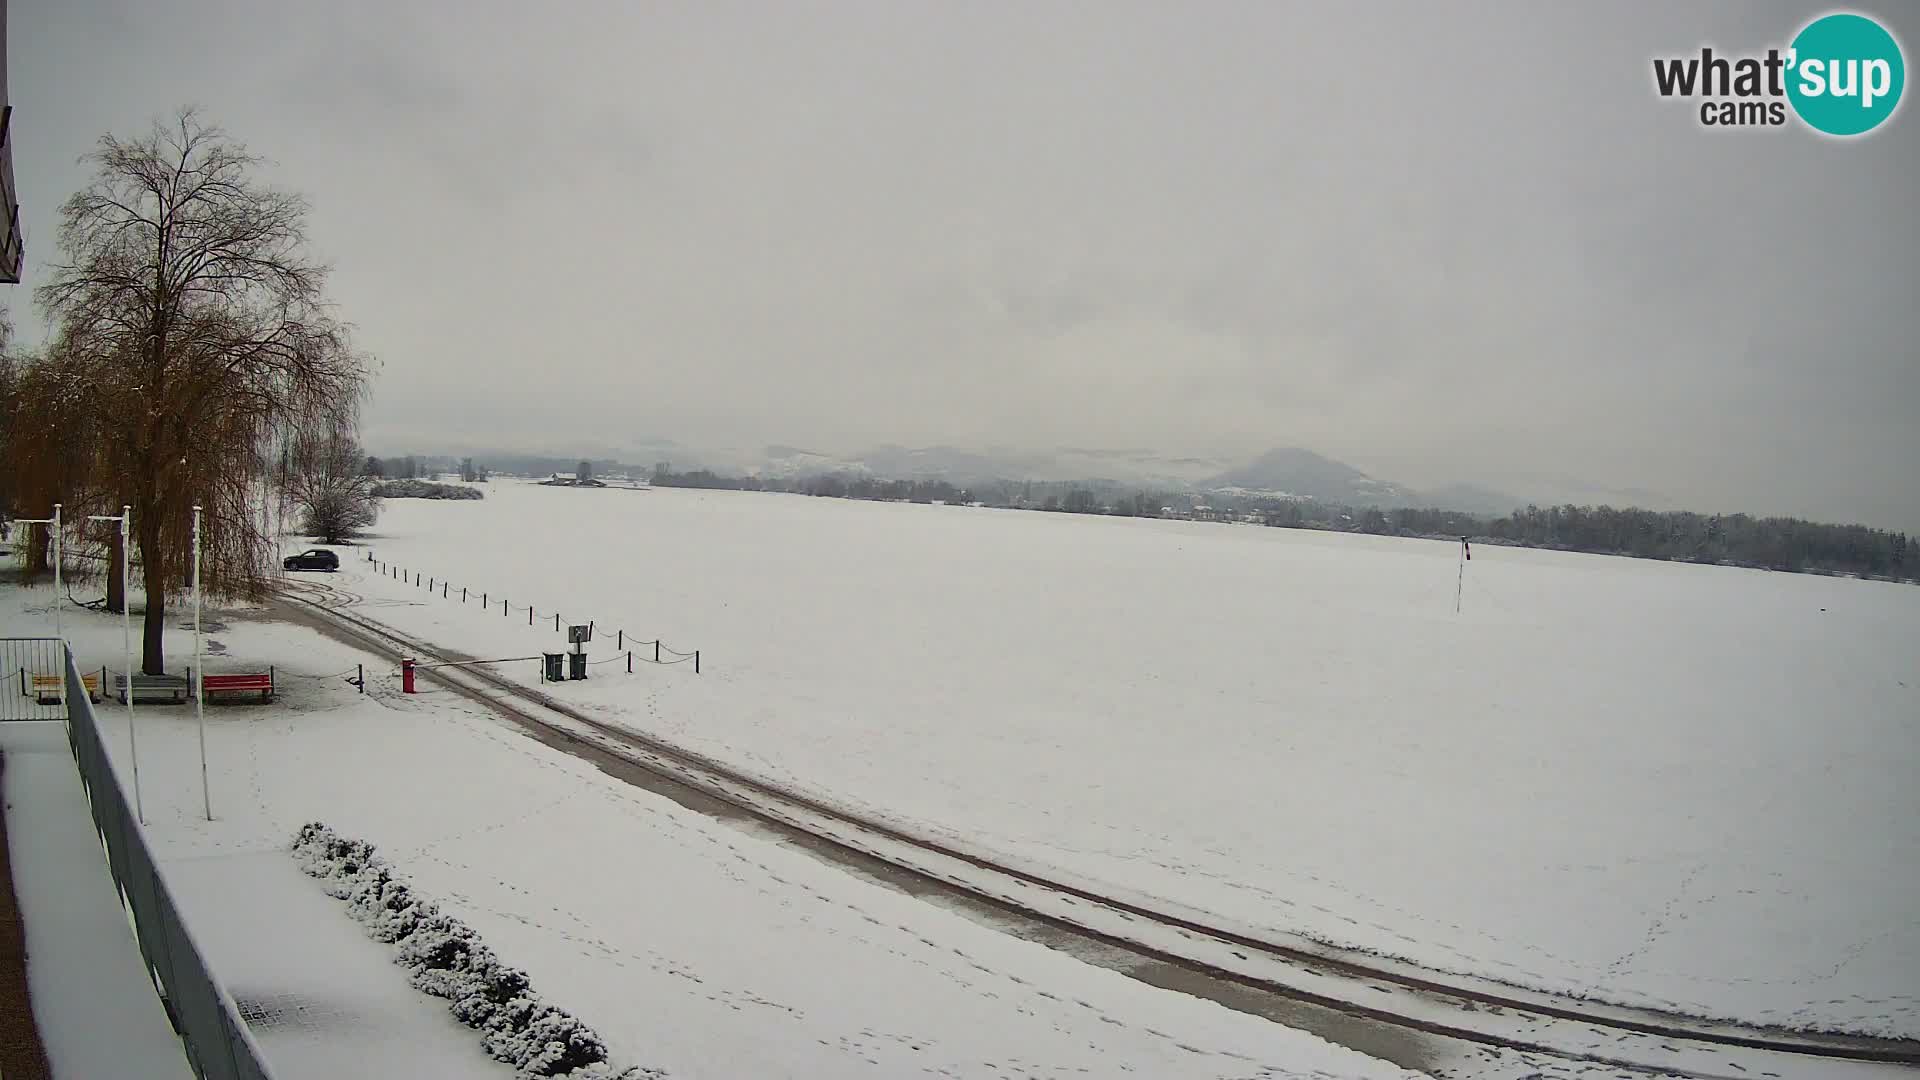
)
(445, 958)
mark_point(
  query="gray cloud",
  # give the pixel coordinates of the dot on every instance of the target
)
(1441, 245)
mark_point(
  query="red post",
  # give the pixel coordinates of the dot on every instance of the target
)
(406, 676)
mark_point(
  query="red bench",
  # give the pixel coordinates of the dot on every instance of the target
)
(259, 682)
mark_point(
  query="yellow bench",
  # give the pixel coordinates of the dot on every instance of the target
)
(46, 688)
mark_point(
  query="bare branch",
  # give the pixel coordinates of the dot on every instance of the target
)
(194, 326)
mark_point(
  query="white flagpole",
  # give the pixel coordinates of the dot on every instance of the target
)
(1461, 580)
(199, 676)
(126, 642)
(59, 594)
(126, 636)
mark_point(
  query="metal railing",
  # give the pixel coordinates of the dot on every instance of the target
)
(22, 662)
(218, 1044)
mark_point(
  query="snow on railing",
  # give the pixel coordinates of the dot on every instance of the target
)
(218, 1044)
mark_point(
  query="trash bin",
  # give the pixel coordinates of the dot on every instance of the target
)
(552, 669)
(576, 665)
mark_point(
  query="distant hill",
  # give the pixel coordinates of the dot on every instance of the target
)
(1293, 471)
(1305, 474)
(1301, 473)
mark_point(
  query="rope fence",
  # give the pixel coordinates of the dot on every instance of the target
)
(625, 644)
(297, 675)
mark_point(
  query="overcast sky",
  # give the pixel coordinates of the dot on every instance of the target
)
(1438, 246)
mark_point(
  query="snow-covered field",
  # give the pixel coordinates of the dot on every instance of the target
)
(1680, 786)
(690, 944)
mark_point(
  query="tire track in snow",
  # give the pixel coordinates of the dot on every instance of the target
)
(1567, 1025)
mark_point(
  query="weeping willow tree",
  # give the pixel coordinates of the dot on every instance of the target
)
(51, 449)
(195, 320)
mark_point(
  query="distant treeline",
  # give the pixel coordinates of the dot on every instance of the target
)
(838, 486)
(1774, 543)
(424, 489)
(1777, 543)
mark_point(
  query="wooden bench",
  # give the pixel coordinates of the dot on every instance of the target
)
(165, 689)
(46, 688)
(259, 682)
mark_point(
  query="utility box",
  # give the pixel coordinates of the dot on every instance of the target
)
(576, 665)
(551, 669)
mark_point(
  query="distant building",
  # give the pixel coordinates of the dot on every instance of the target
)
(566, 479)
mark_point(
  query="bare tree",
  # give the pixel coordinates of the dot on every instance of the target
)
(329, 484)
(187, 293)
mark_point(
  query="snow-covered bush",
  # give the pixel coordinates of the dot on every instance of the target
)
(444, 957)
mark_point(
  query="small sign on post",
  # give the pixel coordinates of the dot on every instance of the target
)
(578, 636)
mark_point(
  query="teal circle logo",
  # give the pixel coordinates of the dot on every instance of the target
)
(1845, 74)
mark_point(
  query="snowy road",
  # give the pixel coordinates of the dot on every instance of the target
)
(1382, 992)
(702, 947)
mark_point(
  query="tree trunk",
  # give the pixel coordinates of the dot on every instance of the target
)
(116, 575)
(39, 547)
(153, 659)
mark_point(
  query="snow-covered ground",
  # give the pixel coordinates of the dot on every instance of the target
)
(1679, 786)
(689, 944)
(93, 1002)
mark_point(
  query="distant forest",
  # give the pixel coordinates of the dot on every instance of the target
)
(1773, 543)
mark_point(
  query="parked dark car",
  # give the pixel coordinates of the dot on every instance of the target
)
(316, 559)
